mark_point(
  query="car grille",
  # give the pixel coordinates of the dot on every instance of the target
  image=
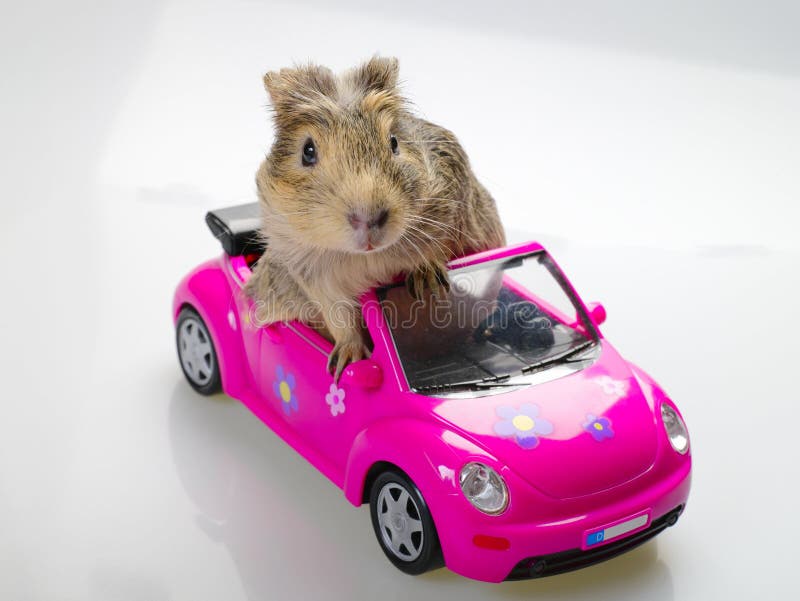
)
(574, 559)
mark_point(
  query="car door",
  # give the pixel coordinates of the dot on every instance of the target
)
(295, 383)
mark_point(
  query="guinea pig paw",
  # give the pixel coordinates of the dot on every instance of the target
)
(433, 277)
(343, 354)
(441, 283)
(415, 284)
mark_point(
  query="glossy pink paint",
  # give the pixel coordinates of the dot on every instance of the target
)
(569, 484)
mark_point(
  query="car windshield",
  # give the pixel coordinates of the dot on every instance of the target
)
(500, 319)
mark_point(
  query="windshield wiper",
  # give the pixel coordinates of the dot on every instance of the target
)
(561, 358)
(579, 358)
(483, 385)
(496, 382)
(501, 381)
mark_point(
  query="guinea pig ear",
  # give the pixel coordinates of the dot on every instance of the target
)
(378, 73)
(272, 83)
(299, 84)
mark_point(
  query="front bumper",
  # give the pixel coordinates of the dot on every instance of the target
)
(575, 559)
(543, 549)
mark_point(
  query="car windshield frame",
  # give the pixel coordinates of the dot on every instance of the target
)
(498, 383)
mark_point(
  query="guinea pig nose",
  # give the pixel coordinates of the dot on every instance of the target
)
(356, 220)
(380, 219)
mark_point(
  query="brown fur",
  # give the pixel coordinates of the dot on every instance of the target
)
(436, 207)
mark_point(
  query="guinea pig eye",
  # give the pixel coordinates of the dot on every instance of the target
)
(309, 153)
(393, 142)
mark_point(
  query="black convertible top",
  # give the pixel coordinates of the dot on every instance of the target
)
(237, 228)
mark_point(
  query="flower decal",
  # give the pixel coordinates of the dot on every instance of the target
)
(335, 398)
(598, 427)
(284, 389)
(524, 424)
(612, 387)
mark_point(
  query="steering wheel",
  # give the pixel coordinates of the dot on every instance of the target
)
(520, 324)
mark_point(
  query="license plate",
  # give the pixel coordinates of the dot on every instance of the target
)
(615, 530)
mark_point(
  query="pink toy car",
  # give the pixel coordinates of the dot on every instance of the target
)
(493, 430)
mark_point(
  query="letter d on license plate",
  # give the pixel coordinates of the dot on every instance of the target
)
(608, 533)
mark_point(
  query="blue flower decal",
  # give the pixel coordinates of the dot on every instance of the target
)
(598, 427)
(524, 424)
(284, 390)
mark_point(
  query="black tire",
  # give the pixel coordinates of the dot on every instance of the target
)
(201, 370)
(426, 552)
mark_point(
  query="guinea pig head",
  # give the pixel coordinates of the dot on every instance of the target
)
(340, 174)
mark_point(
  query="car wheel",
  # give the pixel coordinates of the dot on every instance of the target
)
(403, 524)
(196, 353)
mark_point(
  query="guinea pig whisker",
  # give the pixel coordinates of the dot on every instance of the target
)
(443, 227)
(436, 222)
(419, 235)
(424, 222)
(426, 236)
(409, 237)
(440, 198)
(415, 233)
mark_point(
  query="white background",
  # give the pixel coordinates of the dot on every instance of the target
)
(654, 149)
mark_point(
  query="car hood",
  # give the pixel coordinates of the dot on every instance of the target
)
(568, 437)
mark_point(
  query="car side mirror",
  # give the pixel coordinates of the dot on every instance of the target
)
(597, 313)
(364, 374)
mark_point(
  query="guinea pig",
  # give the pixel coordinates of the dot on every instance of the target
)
(355, 191)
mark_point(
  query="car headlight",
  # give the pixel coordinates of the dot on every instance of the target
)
(675, 429)
(484, 488)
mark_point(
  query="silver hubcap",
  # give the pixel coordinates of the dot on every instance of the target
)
(195, 349)
(399, 519)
